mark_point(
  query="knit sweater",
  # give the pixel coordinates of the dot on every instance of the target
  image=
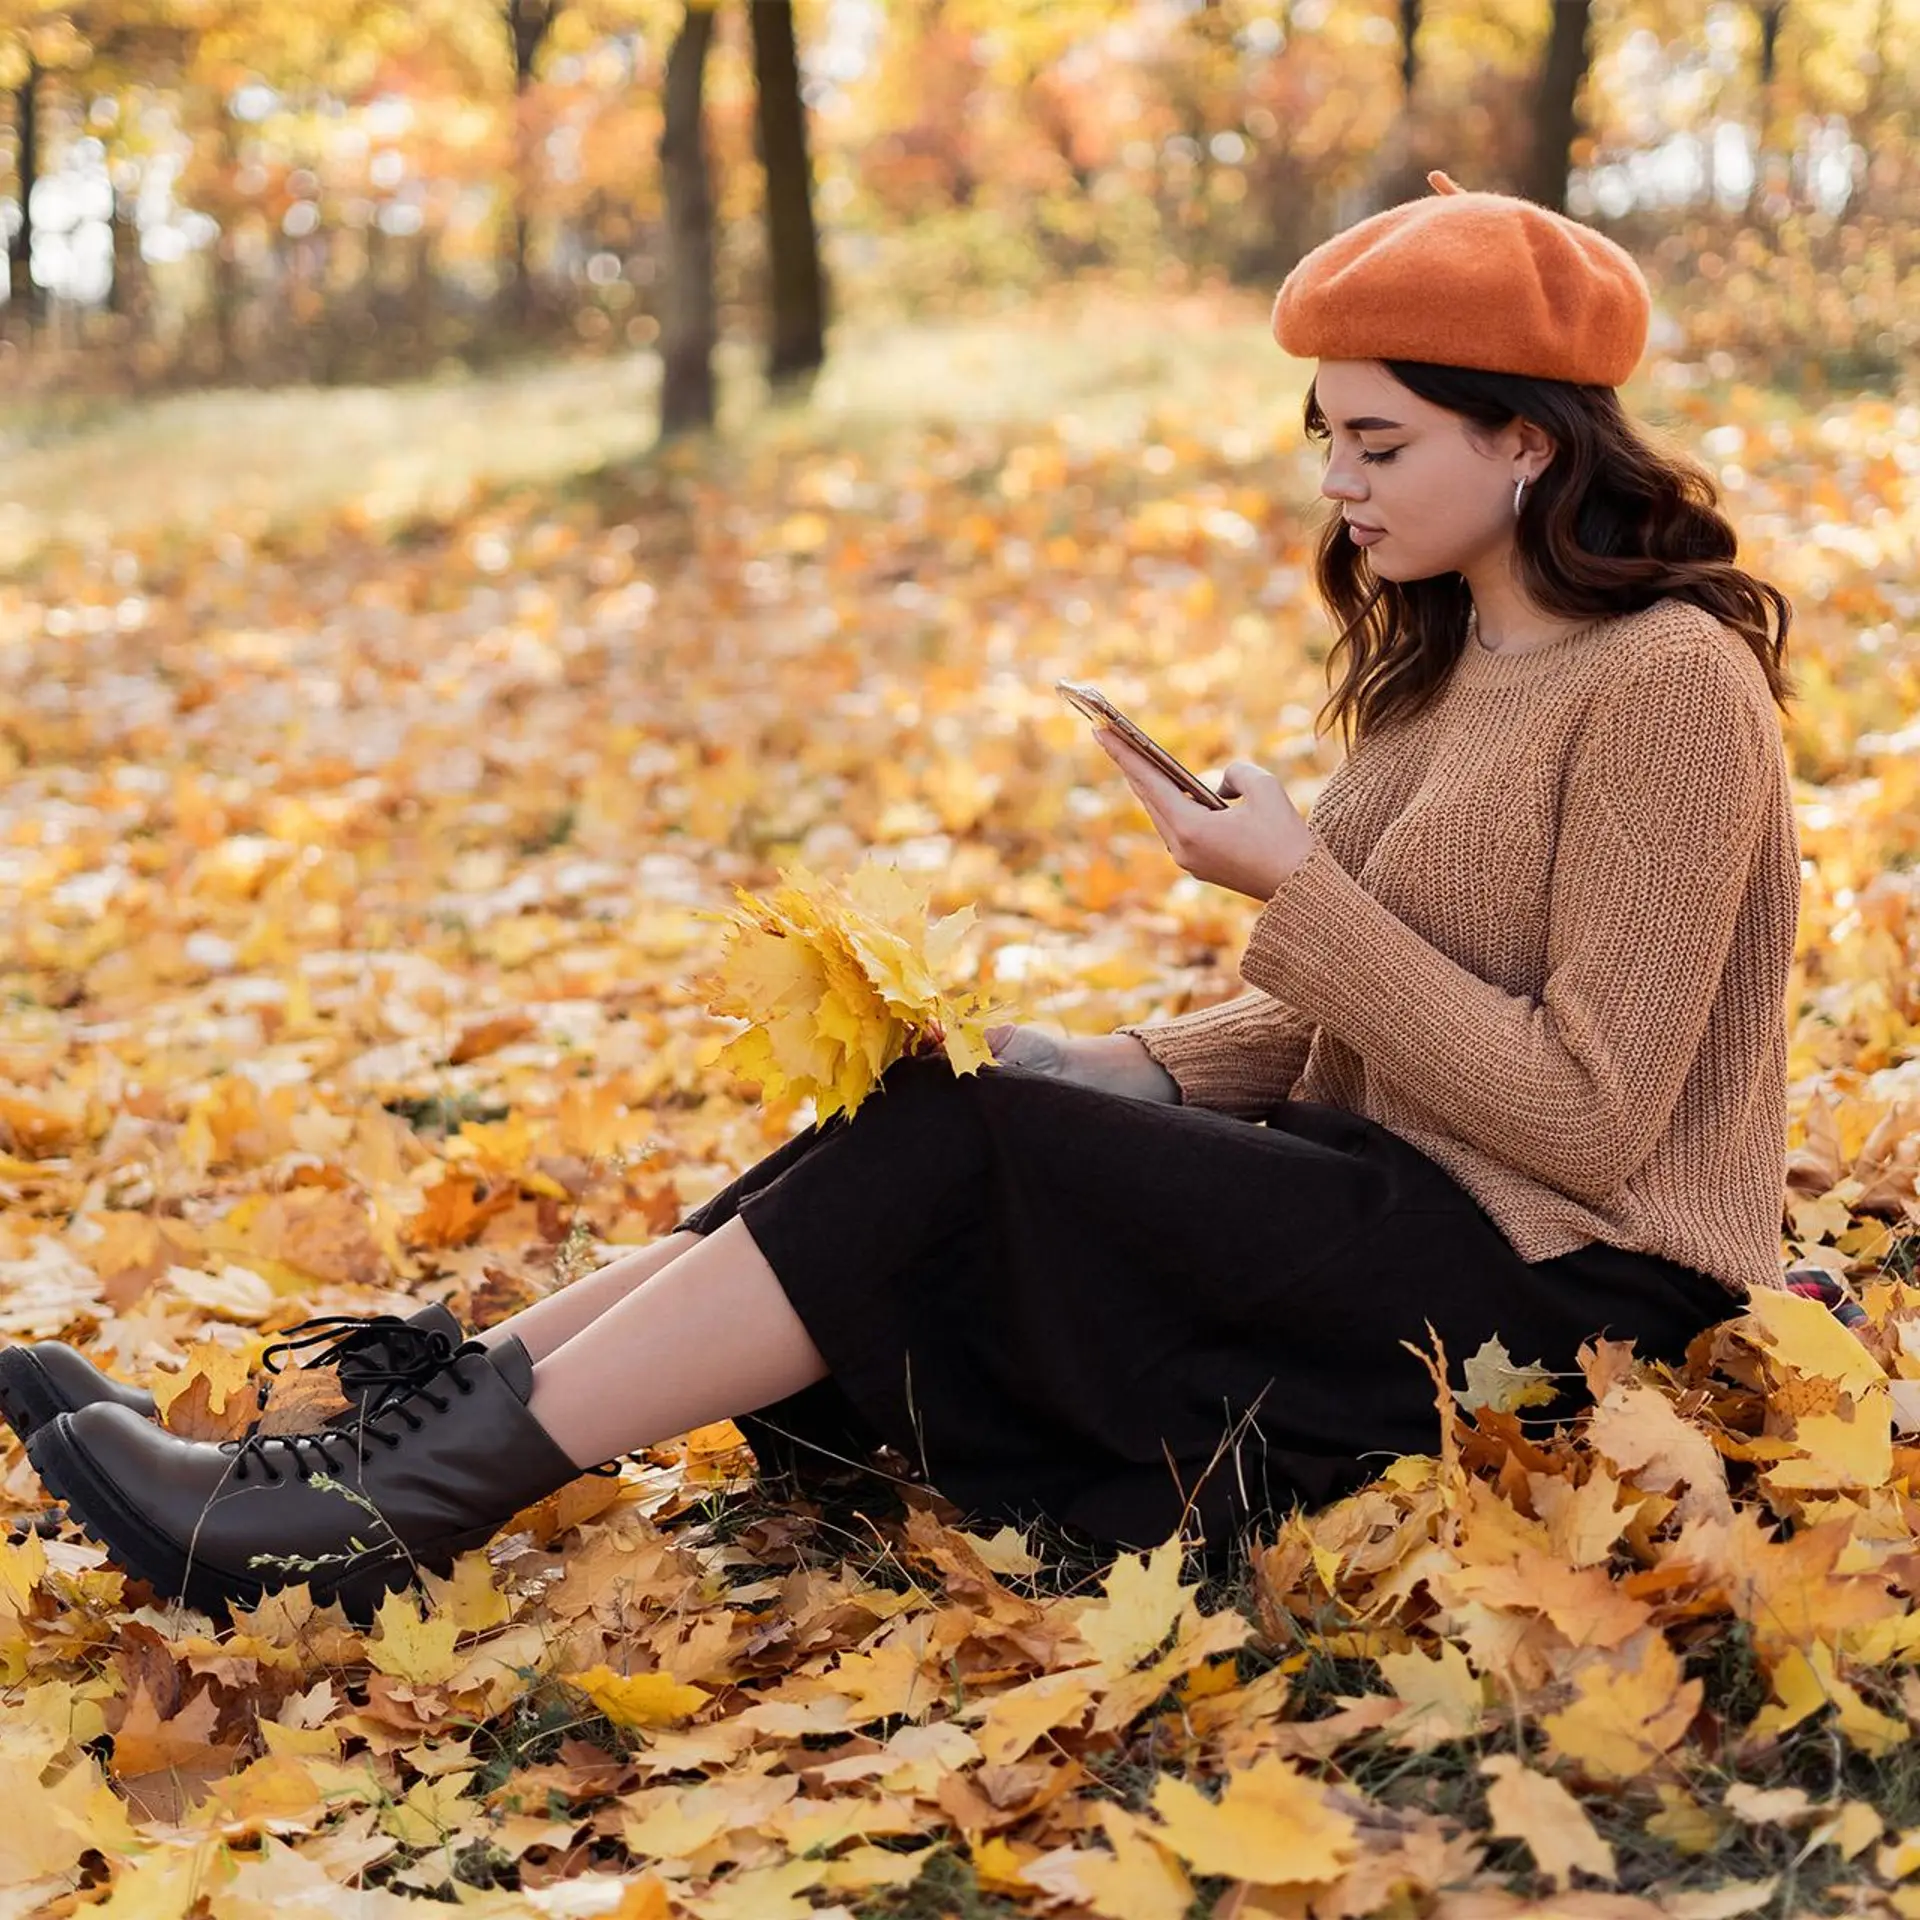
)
(1543, 935)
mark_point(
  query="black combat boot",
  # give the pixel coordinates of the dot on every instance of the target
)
(48, 1377)
(437, 1467)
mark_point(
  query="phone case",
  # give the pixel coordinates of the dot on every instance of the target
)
(1095, 705)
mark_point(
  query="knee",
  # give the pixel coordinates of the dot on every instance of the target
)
(918, 1078)
(923, 1091)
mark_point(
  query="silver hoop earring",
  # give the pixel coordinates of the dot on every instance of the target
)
(1517, 485)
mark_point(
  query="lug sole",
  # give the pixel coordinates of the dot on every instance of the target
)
(66, 1474)
(100, 1512)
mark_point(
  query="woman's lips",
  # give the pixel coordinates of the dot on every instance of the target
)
(1365, 536)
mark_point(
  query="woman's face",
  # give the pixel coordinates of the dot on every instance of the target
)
(1401, 463)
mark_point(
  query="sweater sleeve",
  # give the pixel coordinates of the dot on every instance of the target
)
(1243, 1056)
(1240, 1057)
(1662, 810)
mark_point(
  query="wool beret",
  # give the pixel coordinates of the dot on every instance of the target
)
(1465, 279)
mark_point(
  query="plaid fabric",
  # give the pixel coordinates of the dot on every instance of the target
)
(1816, 1284)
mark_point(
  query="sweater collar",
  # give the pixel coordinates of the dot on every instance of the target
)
(1478, 667)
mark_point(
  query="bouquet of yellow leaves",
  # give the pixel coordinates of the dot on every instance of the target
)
(839, 982)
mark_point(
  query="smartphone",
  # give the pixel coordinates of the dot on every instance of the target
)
(1098, 708)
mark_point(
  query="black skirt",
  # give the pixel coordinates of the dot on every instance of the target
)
(1130, 1318)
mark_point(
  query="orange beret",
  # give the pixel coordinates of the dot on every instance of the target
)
(1470, 280)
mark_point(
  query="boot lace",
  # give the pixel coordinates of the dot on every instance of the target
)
(400, 1385)
(341, 1336)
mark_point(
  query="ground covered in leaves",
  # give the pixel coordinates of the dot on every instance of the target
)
(364, 865)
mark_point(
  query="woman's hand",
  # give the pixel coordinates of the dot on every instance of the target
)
(1108, 1062)
(1028, 1047)
(1251, 847)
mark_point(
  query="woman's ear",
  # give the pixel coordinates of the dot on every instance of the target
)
(1536, 440)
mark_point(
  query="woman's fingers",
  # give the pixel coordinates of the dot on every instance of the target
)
(1025, 1047)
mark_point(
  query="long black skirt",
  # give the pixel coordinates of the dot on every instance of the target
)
(1130, 1318)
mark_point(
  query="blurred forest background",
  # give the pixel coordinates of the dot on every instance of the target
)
(256, 191)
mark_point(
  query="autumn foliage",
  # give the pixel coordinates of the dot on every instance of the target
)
(438, 909)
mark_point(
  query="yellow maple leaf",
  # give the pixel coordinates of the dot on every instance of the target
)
(638, 1699)
(57, 1714)
(674, 1823)
(1900, 1856)
(275, 1790)
(1636, 1429)
(1012, 1720)
(22, 1568)
(1443, 1696)
(1856, 1451)
(1683, 1823)
(411, 1648)
(168, 1880)
(1143, 1880)
(470, 1597)
(1624, 1716)
(1804, 1681)
(1144, 1597)
(1272, 1824)
(1823, 1217)
(50, 1825)
(499, 1149)
(1536, 1809)
(885, 1681)
(212, 1397)
(432, 1811)
(838, 982)
(1807, 1337)
(277, 1882)
(594, 1122)
(1851, 1829)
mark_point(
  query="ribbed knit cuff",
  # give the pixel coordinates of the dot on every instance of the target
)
(1310, 946)
(1240, 1057)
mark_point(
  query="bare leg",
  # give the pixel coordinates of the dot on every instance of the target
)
(552, 1322)
(712, 1336)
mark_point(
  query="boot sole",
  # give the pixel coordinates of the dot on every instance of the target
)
(105, 1517)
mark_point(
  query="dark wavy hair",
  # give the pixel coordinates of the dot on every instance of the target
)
(1612, 524)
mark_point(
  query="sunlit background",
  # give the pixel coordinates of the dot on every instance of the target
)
(350, 190)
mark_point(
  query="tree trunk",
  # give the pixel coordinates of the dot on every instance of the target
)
(1875, 133)
(1394, 177)
(528, 24)
(23, 295)
(223, 265)
(127, 296)
(689, 317)
(1771, 13)
(1555, 122)
(797, 343)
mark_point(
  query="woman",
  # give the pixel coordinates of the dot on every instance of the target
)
(1513, 1062)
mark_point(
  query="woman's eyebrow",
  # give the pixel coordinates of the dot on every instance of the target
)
(1368, 421)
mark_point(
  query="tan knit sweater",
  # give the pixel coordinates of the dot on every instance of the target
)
(1544, 937)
